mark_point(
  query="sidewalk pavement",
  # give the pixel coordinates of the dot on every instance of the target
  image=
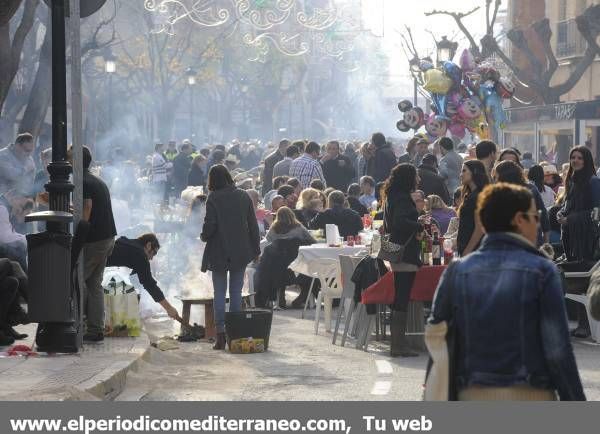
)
(97, 372)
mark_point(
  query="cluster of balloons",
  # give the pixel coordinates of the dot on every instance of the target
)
(465, 97)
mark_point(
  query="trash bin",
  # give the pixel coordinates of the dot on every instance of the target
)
(243, 328)
(50, 293)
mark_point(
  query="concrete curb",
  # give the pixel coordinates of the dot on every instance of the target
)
(96, 373)
(111, 381)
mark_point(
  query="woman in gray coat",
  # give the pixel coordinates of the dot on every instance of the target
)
(232, 242)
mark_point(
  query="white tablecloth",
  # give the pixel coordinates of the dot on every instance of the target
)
(309, 260)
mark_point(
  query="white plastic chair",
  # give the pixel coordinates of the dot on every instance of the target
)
(594, 325)
(250, 271)
(583, 299)
(347, 303)
(310, 298)
(331, 289)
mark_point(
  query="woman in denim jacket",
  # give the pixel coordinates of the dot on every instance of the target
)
(506, 304)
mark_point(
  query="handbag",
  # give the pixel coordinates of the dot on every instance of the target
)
(442, 343)
(389, 250)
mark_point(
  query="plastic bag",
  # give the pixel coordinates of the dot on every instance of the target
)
(121, 305)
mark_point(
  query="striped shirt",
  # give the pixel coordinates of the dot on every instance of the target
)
(160, 166)
(305, 169)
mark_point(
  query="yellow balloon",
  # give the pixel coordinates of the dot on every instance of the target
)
(437, 82)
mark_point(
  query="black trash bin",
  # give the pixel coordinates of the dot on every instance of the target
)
(250, 323)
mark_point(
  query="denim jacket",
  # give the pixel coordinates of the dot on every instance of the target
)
(506, 301)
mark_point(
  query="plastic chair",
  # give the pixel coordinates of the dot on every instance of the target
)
(594, 325)
(330, 290)
(250, 271)
(310, 298)
(347, 303)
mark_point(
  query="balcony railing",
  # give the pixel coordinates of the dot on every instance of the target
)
(569, 42)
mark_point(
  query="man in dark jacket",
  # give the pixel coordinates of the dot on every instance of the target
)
(97, 210)
(384, 160)
(270, 162)
(136, 254)
(431, 182)
(337, 168)
(347, 221)
(181, 168)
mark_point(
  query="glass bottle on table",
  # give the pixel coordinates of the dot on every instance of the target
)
(448, 251)
(424, 252)
(436, 250)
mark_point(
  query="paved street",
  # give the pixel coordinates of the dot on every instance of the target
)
(298, 366)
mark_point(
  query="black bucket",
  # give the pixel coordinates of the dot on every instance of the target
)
(250, 323)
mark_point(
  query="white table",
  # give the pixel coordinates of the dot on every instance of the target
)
(310, 258)
(310, 263)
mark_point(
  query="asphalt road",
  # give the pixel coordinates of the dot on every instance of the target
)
(298, 366)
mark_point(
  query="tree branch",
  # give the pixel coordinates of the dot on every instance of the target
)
(93, 44)
(588, 25)
(22, 31)
(517, 37)
(542, 29)
(8, 10)
(496, 8)
(458, 16)
(487, 16)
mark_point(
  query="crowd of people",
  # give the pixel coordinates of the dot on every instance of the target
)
(498, 206)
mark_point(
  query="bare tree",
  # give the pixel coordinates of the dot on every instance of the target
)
(11, 44)
(41, 91)
(538, 76)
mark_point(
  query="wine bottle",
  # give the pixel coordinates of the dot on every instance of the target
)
(436, 250)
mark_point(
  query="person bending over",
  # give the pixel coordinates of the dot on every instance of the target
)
(136, 254)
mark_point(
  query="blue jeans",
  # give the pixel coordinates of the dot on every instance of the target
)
(236, 281)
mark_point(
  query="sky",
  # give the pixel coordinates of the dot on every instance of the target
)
(388, 17)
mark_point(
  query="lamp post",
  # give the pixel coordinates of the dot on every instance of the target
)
(244, 90)
(445, 50)
(55, 298)
(110, 67)
(414, 69)
(191, 81)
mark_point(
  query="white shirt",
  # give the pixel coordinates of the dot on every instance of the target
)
(7, 232)
(548, 196)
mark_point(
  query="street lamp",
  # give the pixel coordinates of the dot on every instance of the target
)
(191, 81)
(414, 65)
(244, 91)
(445, 50)
(110, 67)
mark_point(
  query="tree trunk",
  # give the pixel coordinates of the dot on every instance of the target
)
(166, 119)
(41, 92)
(10, 51)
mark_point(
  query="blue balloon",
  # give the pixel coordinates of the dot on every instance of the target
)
(453, 71)
(439, 104)
(494, 112)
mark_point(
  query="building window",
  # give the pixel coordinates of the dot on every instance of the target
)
(562, 10)
(569, 42)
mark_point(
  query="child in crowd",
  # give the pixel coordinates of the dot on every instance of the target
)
(367, 188)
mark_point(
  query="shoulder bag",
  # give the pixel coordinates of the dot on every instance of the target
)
(389, 250)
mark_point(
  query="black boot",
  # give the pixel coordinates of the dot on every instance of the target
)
(220, 342)
(281, 303)
(8, 292)
(399, 346)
